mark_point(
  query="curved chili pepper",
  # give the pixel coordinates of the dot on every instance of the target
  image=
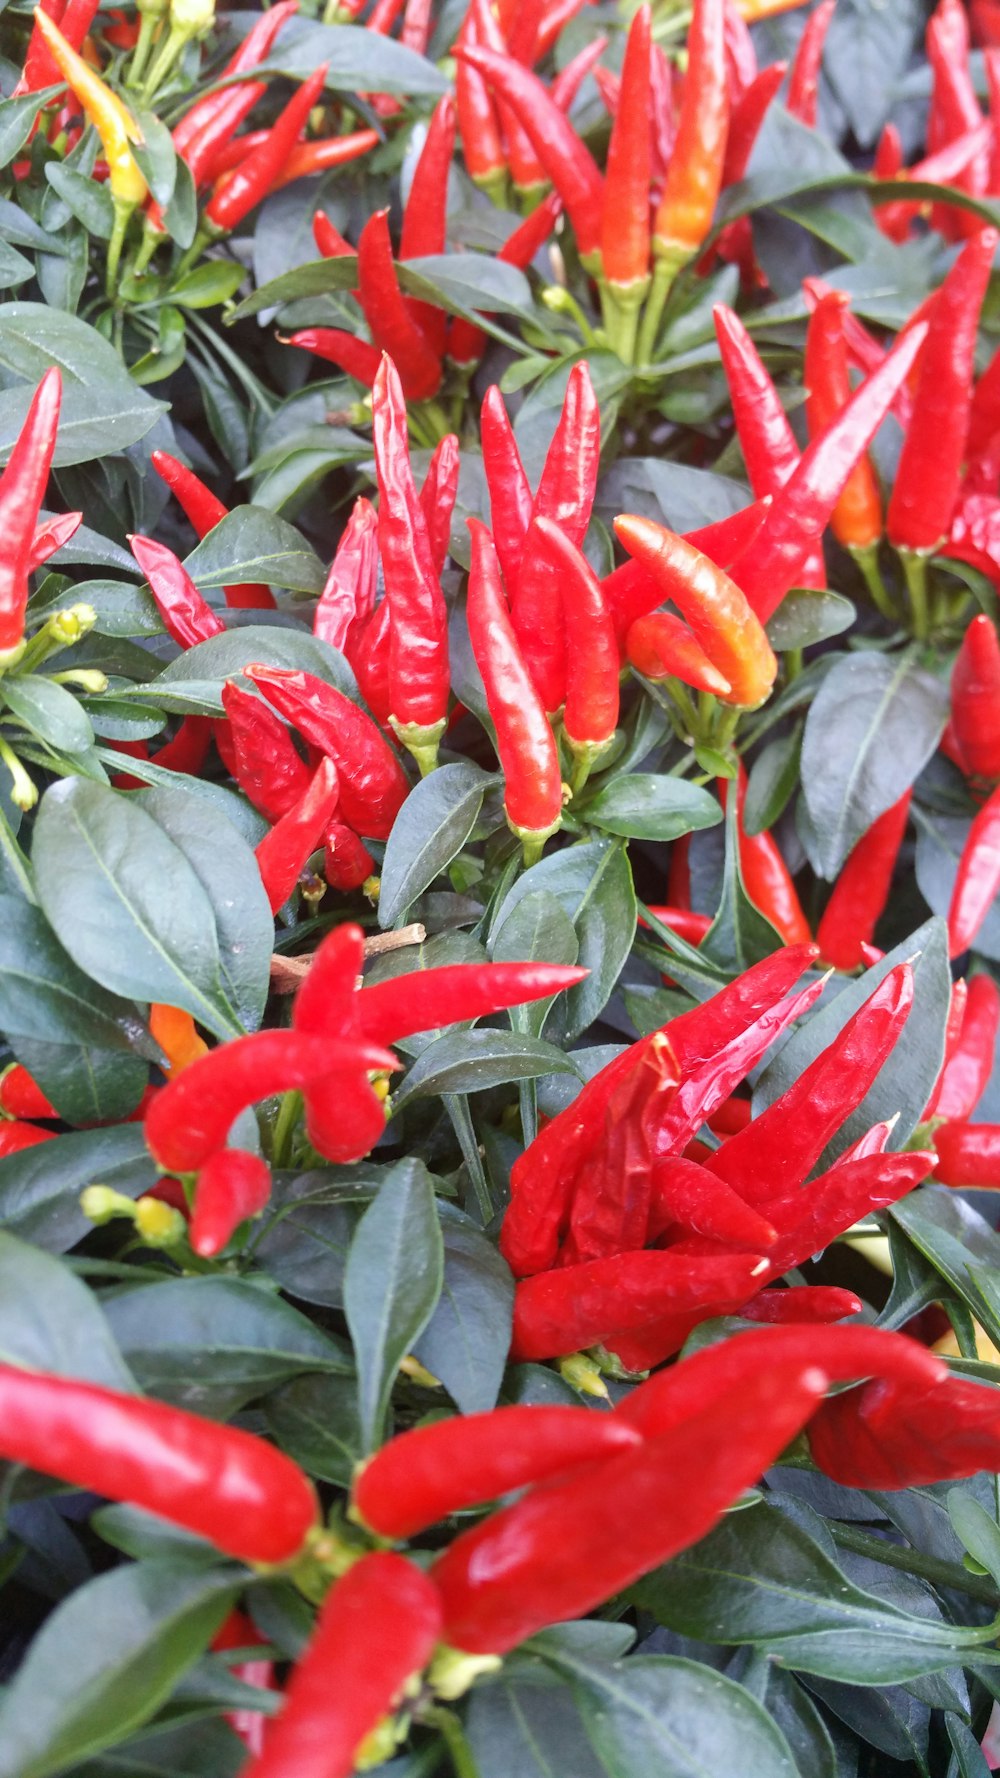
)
(968, 1155)
(347, 862)
(186, 616)
(283, 853)
(525, 742)
(51, 536)
(419, 676)
(803, 81)
(888, 1437)
(226, 1486)
(204, 510)
(232, 1186)
(861, 892)
(802, 509)
(175, 1032)
(563, 1548)
(191, 1118)
(802, 1305)
(353, 356)
(16, 1136)
(686, 924)
(510, 494)
(625, 233)
(766, 877)
(309, 158)
(967, 1068)
(478, 124)
(329, 239)
(111, 119)
(350, 589)
(694, 176)
(434, 1471)
(253, 179)
(659, 646)
(590, 716)
(373, 784)
(376, 1631)
(590, 1304)
(978, 878)
(856, 520)
(930, 465)
(427, 999)
(975, 699)
(392, 325)
(719, 615)
(745, 122)
(437, 499)
(253, 50)
(370, 661)
(568, 163)
(688, 1200)
(22, 490)
(265, 765)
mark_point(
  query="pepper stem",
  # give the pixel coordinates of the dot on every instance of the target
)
(421, 741)
(668, 264)
(622, 304)
(866, 559)
(148, 29)
(915, 571)
(585, 756)
(123, 208)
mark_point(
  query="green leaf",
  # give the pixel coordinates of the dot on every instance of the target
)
(871, 728)
(126, 903)
(17, 120)
(593, 884)
(106, 1660)
(315, 1419)
(430, 830)
(466, 1341)
(473, 1061)
(740, 935)
(252, 544)
(89, 202)
(395, 1271)
(102, 409)
(773, 779)
(50, 1321)
(808, 615)
(526, 1723)
(45, 996)
(206, 286)
(960, 1245)
(224, 657)
(906, 1078)
(50, 712)
(221, 858)
(648, 806)
(211, 1344)
(356, 61)
(975, 1528)
(40, 1187)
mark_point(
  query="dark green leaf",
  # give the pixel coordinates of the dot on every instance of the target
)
(40, 1187)
(430, 830)
(50, 1321)
(50, 712)
(806, 616)
(773, 778)
(593, 883)
(102, 410)
(646, 806)
(466, 1341)
(254, 544)
(960, 1245)
(315, 1419)
(473, 1061)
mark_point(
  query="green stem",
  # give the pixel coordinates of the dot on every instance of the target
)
(284, 1128)
(932, 1568)
(915, 570)
(664, 272)
(454, 1737)
(868, 567)
(123, 213)
(140, 55)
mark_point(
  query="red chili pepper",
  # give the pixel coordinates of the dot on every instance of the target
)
(434, 1471)
(21, 1096)
(233, 1489)
(265, 763)
(419, 677)
(437, 499)
(803, 1304)
(191, 1119)
(566, 1547)
(694, 176)
(803, 82)
(766, 877)
(347, 862)
(232, 1185)
(861, 892)
(954, 110)
(22, 490)
(254, 178)
(800, 512)
(719, 615)
(16, 1136)
(239, 1632)
(968, 1155)
(204, 511)
(253, 50)
(392, 325)
(975, 699)
(625, 234)
(329, 239)
(590, 716)
(478, 123)
(733, 1114)
(856, 520)
(74, 20)
(688, 1200)
(888, 1437)
(370, 661)
(348, 596)
(747, 117)
(525, 742)
(373, 785)
(51, 536)
(425, 218)
(930, 465)
(424, 1000)
(283, 853)
(661, 647)
(978, 878)
(466, 342)
(376, 1631)
(185, 615)
(969, 1064)
(567, 161)
(353, 356)
(510, 494)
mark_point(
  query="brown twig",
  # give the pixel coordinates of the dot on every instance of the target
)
(288, 972)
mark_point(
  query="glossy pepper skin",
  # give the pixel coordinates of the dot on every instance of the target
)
(392, 324)
(525, 742)
(968, 1055)
(373, 783)
(887, 1436)
(590, 714)
(356, 358)
(18, 1135)
(111, 119)
(968, 1155)
(659, 646)
(766, 877)
(204, 511)
(856, 520)
(283, 853)
(22, 490)
(694, 175)
(232, 1185)
(433, 1471)
(376, 1631)
(978, 877)
(562, 1549)
(625, 233)
(930, 465)
(975, 699)
(253, 179)
(861, 893)
(265, 763)
(185, 614)
(722, 621)
(595, 1302)
(237, 1491)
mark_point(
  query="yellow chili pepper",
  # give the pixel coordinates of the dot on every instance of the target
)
(110, 118)
(175, 1033)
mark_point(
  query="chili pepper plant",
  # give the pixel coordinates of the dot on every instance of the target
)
(499, 867)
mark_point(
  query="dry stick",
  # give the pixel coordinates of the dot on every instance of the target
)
(287, 973)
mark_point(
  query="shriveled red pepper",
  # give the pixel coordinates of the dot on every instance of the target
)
(978, 878)
(232, 1185)
(525, 742)
(186, 616)
(227, 1486)
(590, 714)
(419, 678)
(376, 1631)
(349, 592)
(930, 465)
(204, 511)
(283, 853)
(22, 490)
(266, 765)
(861, 892)
(720, 617)
(803, 81)
(975, 699)
(564, 1548)
(433, 1471)
(856, 520)
(373, 785)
